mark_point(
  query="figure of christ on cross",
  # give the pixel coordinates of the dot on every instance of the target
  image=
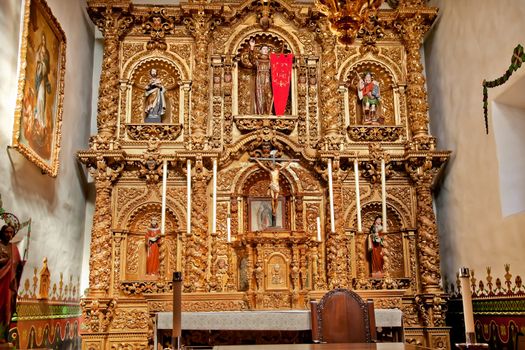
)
(274, 169)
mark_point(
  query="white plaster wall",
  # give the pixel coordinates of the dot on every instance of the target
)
(509, 131)
(56, 205)
(472, 41)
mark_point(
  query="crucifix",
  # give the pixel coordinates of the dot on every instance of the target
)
(274, 169)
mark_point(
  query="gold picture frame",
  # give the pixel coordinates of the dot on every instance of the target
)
(40, 94)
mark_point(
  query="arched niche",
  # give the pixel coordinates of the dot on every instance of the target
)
(244, 76)
(135, 246)
(394, 238)
(140, 77)
(257, 202)
(387, 112)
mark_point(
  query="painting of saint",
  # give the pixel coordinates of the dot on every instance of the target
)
(39, 104)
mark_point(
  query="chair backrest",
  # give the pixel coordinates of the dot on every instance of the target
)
(341, 316)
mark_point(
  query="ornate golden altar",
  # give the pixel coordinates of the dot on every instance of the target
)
(195, 50)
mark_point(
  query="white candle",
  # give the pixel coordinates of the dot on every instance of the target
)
(318, 229)
(229, 228)
(357, 196)
(464, 276)
(163, 213)
(188, 192)
(331, 194)
(214, 204)
(383, 194)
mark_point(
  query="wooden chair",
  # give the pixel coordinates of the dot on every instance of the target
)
(343, 317)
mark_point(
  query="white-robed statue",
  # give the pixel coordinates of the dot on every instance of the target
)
(155, 104)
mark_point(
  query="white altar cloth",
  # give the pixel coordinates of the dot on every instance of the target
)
(278, 320)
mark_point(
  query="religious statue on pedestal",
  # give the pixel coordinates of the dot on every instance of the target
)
(368, 94)
(152, 248)
(260, 62)
(155, 103)
(375, 248)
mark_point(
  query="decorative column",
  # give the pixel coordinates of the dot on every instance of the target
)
(329, 114)
(412, 25)
(336, 242)
(200, 26)
(422, 172)
(113, 21)
(197, 256)
(101, 235)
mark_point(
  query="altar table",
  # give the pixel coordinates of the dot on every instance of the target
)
(279, 320)
(289, 322)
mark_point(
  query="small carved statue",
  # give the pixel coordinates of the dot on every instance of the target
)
(155, 102)
(152, 248)
(368, 93)
(375, 248)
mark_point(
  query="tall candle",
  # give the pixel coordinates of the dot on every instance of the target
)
(188, 193)
(464, 276)
(357, 196)
(331, 194)
(229, 228)
(383, 194)
(214, 204)
(318, 229)
(163, 213)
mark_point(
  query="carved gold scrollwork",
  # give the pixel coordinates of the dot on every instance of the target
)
(285, 124)
(375, 133)
(98, 314)
(157, 24)
(144, 132)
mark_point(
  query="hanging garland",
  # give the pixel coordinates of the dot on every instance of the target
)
(518, 56)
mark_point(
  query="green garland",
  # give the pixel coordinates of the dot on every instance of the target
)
(518, 56)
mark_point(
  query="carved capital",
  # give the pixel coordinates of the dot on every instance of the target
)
(114, 19)
(98, 314)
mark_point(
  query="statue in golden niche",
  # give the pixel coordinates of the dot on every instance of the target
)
(155, 103)
(260, 63)
(368, 92)
(152, 248)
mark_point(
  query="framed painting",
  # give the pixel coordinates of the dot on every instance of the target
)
(38, 113)
(260, 215)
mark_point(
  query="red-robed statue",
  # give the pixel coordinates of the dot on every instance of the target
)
(152, 248)
(11, 266)
(375, 248)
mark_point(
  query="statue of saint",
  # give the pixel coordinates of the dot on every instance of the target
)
(152, 248)
(368, 93)
(11, 266)
(155, 102)
(375, 248)
(260, 62)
